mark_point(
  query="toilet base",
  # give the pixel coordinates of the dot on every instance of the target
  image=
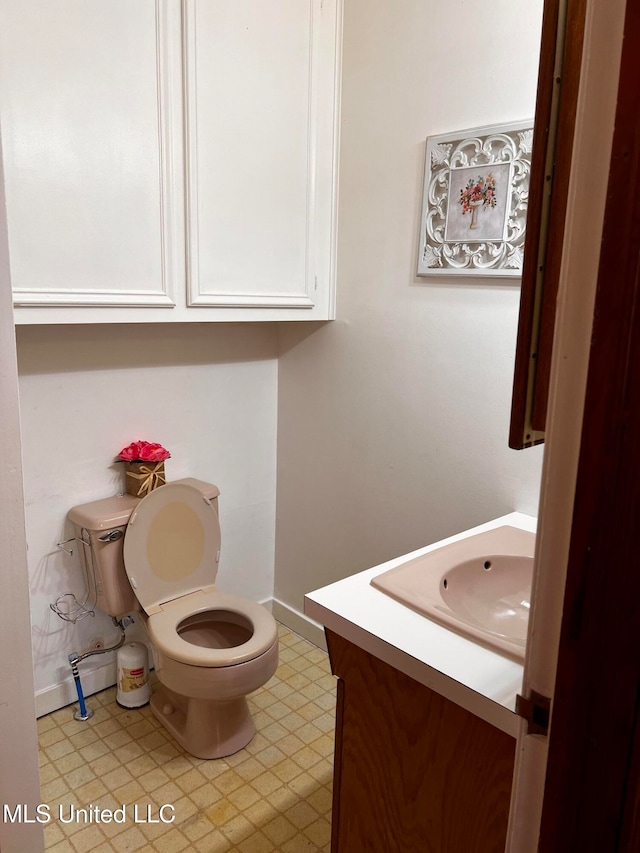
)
(203, 727)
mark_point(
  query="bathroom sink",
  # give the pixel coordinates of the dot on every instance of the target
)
(479, 586)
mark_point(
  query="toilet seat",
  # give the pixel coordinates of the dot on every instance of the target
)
(163, 629)
(171, 551)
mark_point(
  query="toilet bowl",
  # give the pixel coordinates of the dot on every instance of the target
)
(210, 648)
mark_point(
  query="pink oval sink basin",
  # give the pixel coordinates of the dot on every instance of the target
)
(479, 587)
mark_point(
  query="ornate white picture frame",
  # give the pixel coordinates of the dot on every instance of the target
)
(474, 206)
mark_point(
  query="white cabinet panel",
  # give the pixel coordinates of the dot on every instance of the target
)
(249, 131)
(256, 73)
(89, 109)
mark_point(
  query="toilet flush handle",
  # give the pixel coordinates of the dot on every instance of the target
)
(111, 536)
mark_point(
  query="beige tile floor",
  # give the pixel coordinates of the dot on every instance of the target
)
(274, 795)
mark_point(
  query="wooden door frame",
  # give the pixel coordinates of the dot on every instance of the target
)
(592, 789)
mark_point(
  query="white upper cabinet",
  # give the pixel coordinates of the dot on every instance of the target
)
(170, 161)
(91, 129)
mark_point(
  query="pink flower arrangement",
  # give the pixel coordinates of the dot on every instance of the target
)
(144, 451)
(478, 192)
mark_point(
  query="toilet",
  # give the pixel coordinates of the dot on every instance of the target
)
(159, 555)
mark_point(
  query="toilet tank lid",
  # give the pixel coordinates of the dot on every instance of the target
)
(108, 513)
(104, 514)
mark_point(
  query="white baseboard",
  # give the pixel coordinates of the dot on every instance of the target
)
(60, 695)
(63, 694)
(299, 623)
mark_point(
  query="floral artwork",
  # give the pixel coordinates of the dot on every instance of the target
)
(476, 188)
(477, 203)
(477, 193)
(144, 451)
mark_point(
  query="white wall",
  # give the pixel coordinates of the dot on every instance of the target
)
(208, 393)
(393, 421)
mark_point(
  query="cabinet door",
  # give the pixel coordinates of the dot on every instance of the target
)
(413, 772)
(90, 112)
(261, 148)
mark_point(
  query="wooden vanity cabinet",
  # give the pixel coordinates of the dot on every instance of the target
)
(413, 771)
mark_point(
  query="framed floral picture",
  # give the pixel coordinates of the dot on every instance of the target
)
(474, 206)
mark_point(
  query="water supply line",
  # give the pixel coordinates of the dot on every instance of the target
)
(83, 713)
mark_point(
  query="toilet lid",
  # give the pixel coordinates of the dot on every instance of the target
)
(172, 545)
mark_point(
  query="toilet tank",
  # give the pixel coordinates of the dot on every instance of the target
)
(102, 525)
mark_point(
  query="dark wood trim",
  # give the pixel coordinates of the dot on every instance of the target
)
(518, 437)
(535, 336)
(571, 66)
(337, 762)
(593, 777)
(630, 836)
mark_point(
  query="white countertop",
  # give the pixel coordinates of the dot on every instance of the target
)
(478, 679)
